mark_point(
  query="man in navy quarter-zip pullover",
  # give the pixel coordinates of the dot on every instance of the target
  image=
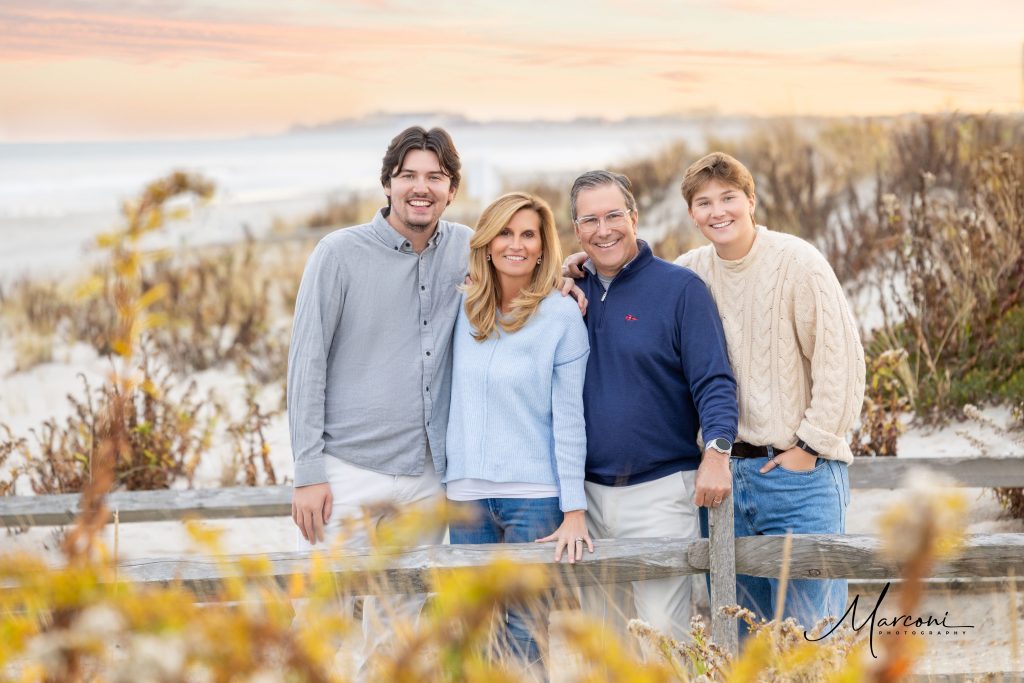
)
(658, 371)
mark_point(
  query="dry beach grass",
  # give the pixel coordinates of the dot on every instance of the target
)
(925, 212)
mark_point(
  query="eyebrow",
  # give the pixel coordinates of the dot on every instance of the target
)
(720, 194)
(594, 215)
(402, 170)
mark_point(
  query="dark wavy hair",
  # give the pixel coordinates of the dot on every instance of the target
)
(435, 140)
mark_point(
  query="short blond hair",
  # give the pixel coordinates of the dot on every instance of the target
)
(716, 166)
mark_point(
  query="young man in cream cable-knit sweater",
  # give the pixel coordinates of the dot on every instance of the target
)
(799, 368)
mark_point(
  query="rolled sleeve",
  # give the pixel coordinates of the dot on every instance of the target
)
(828, 337)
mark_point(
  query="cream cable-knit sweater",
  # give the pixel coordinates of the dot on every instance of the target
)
(792, 341)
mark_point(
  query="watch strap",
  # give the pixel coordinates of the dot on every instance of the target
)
(800, 443)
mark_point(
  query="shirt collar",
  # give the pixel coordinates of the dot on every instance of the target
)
(588, 265)
(395, 240)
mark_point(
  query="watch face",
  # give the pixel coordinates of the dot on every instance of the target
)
(720, 444)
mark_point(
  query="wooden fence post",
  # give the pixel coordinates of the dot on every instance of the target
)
(722, 562)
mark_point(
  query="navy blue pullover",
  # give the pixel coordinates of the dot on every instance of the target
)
(658, 370)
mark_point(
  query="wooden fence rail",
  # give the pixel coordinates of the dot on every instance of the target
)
(613, 561)
(275, 501)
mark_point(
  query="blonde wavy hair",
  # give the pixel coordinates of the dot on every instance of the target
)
(484, 294)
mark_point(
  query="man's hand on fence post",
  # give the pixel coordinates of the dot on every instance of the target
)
(722, 561)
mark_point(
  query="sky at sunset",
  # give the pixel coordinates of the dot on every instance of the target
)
(92, 70)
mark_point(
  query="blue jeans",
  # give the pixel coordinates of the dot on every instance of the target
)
(772, 504)
(512, 520)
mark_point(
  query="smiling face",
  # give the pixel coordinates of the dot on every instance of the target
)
(724, 215)
(608, 244)
(516, 248)
(420, 191)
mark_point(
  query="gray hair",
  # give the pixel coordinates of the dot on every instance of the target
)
(592, 179)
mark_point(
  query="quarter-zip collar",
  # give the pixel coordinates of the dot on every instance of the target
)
(643, 256)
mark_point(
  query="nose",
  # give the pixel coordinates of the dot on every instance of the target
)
(419, 184)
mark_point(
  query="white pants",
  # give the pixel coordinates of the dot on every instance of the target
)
(663, 507)
(353, 488)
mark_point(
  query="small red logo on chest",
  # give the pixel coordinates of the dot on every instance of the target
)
(630, 317)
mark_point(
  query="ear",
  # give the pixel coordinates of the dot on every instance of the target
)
(452, 191)
(636, 220)
(753, 203)
(387, 189)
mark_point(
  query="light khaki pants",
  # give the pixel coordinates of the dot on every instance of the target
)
(352, 489)
(663, 507)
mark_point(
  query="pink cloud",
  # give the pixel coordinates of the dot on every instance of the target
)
(937, 84)
(51, 31)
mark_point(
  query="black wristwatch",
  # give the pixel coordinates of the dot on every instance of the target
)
(721, 445)
(800, 443)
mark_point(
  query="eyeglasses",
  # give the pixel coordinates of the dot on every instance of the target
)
(613, 219)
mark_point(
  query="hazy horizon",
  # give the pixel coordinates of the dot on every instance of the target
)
(398, 119)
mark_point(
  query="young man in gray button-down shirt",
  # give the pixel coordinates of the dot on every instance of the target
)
(370, 362)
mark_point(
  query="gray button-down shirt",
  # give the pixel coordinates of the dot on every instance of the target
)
(370, 364)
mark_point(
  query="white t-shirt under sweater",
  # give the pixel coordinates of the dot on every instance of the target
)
(792, 341)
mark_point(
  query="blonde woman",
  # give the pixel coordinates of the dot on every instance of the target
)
(516, 438)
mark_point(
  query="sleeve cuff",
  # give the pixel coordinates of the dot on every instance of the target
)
(574, 499)
(826, 443)
(309, 472)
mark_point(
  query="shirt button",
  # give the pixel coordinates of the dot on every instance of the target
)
(423, 286)
(428, 353)
(428, 388)
(424, 322)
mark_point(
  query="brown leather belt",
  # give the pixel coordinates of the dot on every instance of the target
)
(746, 450)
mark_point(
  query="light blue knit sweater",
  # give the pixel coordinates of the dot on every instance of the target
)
(517, 402)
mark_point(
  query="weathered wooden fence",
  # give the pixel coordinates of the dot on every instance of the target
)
(615, 560)
(275, 501)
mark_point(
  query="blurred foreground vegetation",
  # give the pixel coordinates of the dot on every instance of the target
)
(85, 622)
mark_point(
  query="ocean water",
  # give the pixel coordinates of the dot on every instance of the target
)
(54, 198)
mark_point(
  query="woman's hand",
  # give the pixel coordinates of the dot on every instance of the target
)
(571, 535)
